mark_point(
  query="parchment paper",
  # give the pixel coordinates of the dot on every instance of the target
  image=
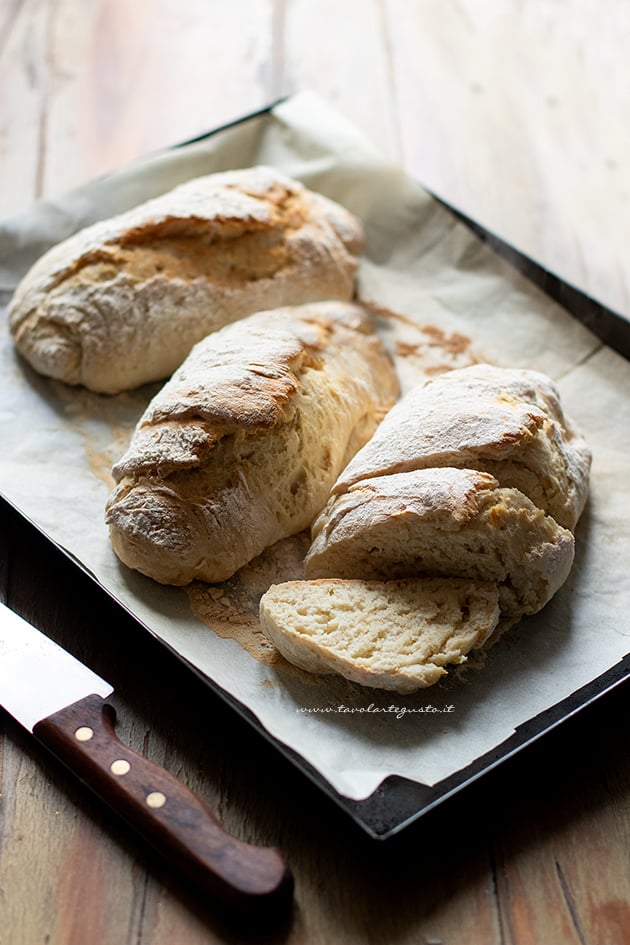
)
(58, 444)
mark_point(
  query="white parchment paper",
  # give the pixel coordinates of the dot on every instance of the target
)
(58, 445)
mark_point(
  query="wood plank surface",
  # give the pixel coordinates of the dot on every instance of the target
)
(517, 113)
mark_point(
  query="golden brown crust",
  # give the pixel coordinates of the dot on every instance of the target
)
(242, 445)
(445, 522)
(470, 476)
(507, 422)
(122, 302)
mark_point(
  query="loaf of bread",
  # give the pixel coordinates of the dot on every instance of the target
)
(122, 302)
(477, 476)
(446, 522)
(507, 422)
(241, 446)
(396, 635)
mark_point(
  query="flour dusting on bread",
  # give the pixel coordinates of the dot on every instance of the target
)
(241, 446)
(477, 474)
(122, 302)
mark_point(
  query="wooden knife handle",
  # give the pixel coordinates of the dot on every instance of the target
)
(165, 812)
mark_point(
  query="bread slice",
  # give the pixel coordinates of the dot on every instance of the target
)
(240, 448)
(507, 422)
(122, 302)
(443, 522)
(396, 635)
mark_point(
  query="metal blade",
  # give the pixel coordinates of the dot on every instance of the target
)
(38, 677)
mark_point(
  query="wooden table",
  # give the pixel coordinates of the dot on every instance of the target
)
(517, 114)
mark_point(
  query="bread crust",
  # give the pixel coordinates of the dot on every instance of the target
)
(446, 522)
(473, 475)
(122, 302)
(241, 446)
(507, 422)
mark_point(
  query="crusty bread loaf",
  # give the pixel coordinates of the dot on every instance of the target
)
(473, 475)
(443, 522)
(507, 422)
(122, 302)
(397, 635)
(241, 446)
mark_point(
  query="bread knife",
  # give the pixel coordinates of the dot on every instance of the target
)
(62, 703)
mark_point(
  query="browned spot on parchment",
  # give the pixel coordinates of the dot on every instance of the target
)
(420, 351)
(231, 609)
(454, 343)
(437, 351)
(100, 464)
(614, 917)
(104, 424)
(226, 614)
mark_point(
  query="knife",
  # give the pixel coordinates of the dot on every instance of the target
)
(61, 702)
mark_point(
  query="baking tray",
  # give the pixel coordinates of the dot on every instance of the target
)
(399, 802)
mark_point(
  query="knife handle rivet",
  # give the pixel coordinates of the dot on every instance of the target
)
(120, 766)
(156, 799)
(84, 734)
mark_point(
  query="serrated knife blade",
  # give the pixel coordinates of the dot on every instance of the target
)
(61, 701)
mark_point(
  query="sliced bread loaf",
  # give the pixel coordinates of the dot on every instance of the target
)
(449, 522)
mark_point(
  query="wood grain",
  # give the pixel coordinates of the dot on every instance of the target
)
(516, 112)
(23, 32)
(350, 66)
(130, 78)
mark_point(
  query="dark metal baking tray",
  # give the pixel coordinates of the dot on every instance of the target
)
(399, 802)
